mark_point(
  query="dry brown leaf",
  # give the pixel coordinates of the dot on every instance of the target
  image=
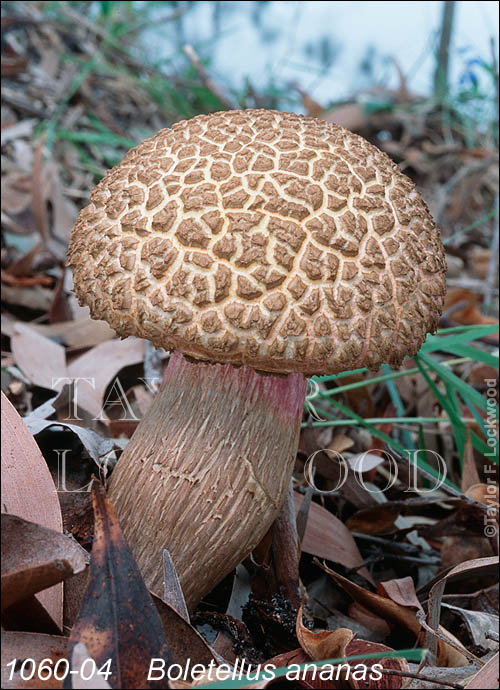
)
(327, 537)
(484, 493)
(369, 620)
(354, 648)
(184, 641)
(480, 372)
(16, 193)
(382, 606)
(35, 297)
(359, 400)
(108, 623)
(464, 571)
(35, 558)
(323, 644)
(313, 108)
(41, 360)
(396, 613)
(487, 677)
(480, 261)
(9, 279)
(470, 314)
(64, 211)
(39, 188)
(23, 266)
(340, 443)
(351, 116)
(388, 682)
(36, 646)
(470, 475)
(449, 655)
(478, 624)
(402, 591)
(101, 365)
(78, 334)
(378, 520)
(458, 549)
(28, 489)
(60, 309)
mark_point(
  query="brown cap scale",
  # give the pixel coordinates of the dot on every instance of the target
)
(253, 238)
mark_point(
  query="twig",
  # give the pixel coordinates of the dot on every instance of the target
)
(12, 97)
(455, 179)
(368, 561)
(170, 17)
(206, 79)
(440, 633)
(420, 676)
(431, 560)
(394, 546)
(302, 515)
(396, 549)
(285, 547)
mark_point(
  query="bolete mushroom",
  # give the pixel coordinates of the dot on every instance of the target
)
(249, 241)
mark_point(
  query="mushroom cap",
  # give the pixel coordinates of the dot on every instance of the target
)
(262, 237)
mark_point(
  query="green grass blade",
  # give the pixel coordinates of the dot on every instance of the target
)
(456, 336)
(230, 684)
(486, 330)
(459, 430)
(467, 392)
(398, 404)
(473, 353)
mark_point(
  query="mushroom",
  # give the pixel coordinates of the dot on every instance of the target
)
(259, 247)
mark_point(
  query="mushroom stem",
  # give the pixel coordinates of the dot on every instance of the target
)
(207, 470)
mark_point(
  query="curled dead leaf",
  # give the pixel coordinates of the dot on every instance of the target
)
(406, 616)
(35, 558)
(323, 644)
(28, 490)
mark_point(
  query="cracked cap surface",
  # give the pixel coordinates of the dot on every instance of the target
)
(262, 237)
